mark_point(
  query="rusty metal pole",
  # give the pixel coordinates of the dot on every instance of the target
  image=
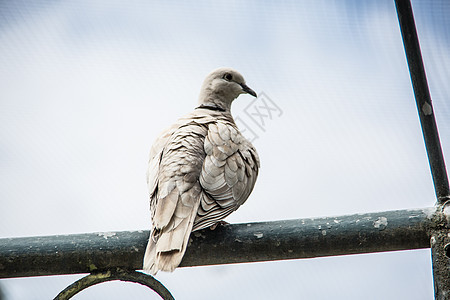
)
(439, 233)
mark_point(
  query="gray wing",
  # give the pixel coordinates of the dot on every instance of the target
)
(175, 194)
(228, 173)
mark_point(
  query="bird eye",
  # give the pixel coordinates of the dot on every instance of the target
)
(228, 76)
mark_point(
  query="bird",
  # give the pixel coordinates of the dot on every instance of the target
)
(200, 170)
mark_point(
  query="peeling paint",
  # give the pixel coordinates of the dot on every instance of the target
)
(290, 250)
(429, 212)
(446, 212)
(380, 223)
(433, 241)
(106, 235)
(324, 232)
(427, 109)
(258, 235)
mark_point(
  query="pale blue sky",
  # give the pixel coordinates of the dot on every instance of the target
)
(86, 86)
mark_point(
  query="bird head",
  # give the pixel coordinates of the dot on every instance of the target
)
(222, 86)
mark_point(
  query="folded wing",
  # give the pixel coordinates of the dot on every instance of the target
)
(228, 173)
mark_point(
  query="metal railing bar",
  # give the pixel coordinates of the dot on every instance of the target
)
(237, 243)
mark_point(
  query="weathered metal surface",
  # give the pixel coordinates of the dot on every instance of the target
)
(439, 237)
(440, 245)
(238, 243)
(111, 275)
(441, 264)
(423, 99)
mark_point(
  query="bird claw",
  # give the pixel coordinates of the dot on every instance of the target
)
(221, 223)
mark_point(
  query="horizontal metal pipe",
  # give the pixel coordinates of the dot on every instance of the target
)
(237, 243)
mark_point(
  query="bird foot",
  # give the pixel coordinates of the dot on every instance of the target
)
(221, 223)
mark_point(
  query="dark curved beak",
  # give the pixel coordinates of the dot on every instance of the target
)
(248, 90)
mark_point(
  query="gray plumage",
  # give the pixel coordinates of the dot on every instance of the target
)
(201, 169)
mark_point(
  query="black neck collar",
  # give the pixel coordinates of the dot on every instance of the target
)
(211, 107)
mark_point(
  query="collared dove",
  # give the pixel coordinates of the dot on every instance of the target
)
(201, 169)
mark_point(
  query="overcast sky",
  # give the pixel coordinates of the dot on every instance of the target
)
(86, 86)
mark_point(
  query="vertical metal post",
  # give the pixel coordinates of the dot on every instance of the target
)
(441, 263)
(423, 99)
(440, 233)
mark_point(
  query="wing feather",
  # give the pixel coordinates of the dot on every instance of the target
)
(228, 173)
(175, 194)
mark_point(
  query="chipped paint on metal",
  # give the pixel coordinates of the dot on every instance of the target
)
(427, 109)
(106, 235)
(258, 235)
(380, 223)
(433, 240)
